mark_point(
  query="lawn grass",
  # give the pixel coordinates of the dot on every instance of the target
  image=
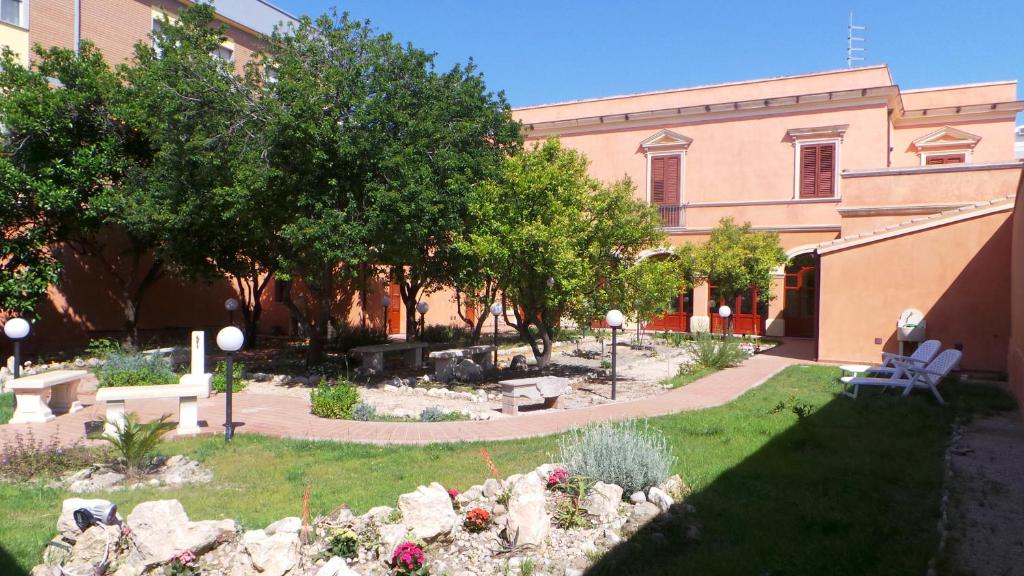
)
(853, 487)
(6, 407)
(691, 374)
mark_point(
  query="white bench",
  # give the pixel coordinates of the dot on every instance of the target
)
(446, 360)
(187, 395)
(546, 389)
(30, 392)
(373, 356)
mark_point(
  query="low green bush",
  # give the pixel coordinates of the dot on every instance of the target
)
(707, 351)
(337, 401)
(435, 414)
(625, 453)
(219, 382)
(102, 347)
(348, 336)
(440, 334)
(134, 369)
(364, 412)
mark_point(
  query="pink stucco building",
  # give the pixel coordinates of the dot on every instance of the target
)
(885, 199)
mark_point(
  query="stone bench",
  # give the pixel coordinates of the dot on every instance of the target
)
(372, 357)
(187, 395)
(546, 389)
(30, 392)
(446, 360)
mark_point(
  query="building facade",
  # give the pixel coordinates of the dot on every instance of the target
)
(884, 199)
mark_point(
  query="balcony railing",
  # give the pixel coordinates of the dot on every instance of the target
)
(672, 216)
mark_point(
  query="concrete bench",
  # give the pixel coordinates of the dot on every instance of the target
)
(373, 356)
(187, 395)
(30, 392)
(546, 389)
(446, 360)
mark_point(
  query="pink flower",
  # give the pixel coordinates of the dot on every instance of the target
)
(557, 477)
(453, 493)
(408, 556)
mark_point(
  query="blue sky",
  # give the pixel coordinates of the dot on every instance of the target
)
(541, 51)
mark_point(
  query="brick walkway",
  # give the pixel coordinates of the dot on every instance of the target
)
(289, 417)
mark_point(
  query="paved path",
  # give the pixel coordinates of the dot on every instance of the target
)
(288, 417)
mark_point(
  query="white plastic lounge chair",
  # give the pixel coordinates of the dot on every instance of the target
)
(912, 377)
(924, 354)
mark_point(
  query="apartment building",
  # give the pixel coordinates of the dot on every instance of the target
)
(885, 199)
(1018, 146)
(116, 25)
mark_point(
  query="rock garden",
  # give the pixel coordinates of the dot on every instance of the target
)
(554, 520)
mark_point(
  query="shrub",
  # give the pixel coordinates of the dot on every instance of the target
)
(435, 414)
(343, 543)
(622, 453)
(336, 401)
(133, 369)
(349, 336)
(408, 559)
(438, 333)
(364, 412)
(102, 347)
(569, 512)
(219, 382)
(24, 458)
(477, 520)
(134, 440)
(706, 351)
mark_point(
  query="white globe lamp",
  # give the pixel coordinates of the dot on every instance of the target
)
(17, 328)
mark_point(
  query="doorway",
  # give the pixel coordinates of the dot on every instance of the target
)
(800, 306)
(677, 318)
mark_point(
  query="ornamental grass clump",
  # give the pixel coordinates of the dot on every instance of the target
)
(338, 401)
(134, 369)
(707, 351)
(625, 453)
(134, 440)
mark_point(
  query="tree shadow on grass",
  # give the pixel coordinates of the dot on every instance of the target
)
(852, 488)
(9, 565)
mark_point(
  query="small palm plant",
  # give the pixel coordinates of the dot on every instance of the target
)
(135, 440)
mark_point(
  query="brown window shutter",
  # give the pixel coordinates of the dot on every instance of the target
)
(945, 159)
(826, 170)
(818, 171)
(808, 171)
(658, 180)
(671, 196)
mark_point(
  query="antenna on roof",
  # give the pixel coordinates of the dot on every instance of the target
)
(851, 50)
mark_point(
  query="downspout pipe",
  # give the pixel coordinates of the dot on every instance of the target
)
(78, 25)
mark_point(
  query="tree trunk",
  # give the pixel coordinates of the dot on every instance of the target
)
(410, 291)
(251, 290)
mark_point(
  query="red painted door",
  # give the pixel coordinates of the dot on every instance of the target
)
(395, 310)
(799, 308)
(677, 319)
(748, 313)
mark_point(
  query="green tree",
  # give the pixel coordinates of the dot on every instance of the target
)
(207, 185)
(68, 151)
(444, 134)
(553, 237)
(648, 286)
(27, 266)
(736, 258)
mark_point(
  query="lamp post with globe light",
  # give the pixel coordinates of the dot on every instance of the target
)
(229, 340)
(614, 318)
(725, 312)
(422, 308)
(231, 304)
(17, 329)
(496, 311)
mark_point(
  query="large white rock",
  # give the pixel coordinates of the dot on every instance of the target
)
(642, 513)
(528, 522)
(290, 524)
(161, 529)
(336, 566)
(603, 500)
(272, 555)
(492, 488)
(675, 487)
(94, 547)
(391, 535)
(428, 512)
(660, 498)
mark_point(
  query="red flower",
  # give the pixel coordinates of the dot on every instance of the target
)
(557, 477)
(453, 494)
(408, 556)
